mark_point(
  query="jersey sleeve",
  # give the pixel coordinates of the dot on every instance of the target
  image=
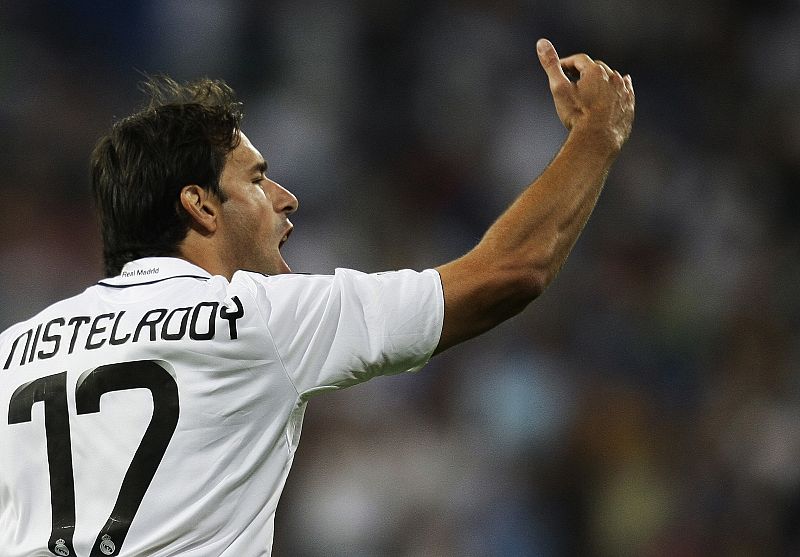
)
(333, 331)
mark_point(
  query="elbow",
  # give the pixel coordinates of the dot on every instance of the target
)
(480, 295)
(540, 279)
(535, 284)
(540, 270)
(522, 289)
(531, 277)
(531, 271)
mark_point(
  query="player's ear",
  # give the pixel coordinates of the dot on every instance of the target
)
(201, 206)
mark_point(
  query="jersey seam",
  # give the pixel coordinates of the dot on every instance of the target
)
(275, 345)
(286, 435)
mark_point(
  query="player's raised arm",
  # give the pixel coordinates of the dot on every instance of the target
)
(522, 252)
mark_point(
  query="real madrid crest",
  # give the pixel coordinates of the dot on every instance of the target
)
(107, 546)
(61, 547)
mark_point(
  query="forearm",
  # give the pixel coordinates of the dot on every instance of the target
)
(534, 236)
(522, 252)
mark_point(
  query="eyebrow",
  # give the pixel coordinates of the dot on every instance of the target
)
(260, 167)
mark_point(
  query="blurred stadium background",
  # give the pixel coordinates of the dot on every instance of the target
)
(647, 405)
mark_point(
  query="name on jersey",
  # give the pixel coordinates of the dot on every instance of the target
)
(85, 332)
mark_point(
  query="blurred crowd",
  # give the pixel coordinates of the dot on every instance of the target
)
(648, 404)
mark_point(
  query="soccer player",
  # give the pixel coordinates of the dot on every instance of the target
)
(158, 412)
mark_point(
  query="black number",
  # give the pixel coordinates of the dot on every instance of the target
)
(91, 386)
(52, 390)
(162, 386)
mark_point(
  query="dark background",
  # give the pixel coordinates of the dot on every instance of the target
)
(646, 405)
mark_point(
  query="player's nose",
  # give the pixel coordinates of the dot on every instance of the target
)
(283, 200)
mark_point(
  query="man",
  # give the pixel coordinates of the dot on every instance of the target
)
(158, 412)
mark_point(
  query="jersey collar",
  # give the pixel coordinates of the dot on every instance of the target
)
(154, 269)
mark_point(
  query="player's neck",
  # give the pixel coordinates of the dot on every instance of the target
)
(203, 253)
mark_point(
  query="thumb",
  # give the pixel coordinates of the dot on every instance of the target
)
(548, 57)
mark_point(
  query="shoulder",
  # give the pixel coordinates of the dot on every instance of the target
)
(301, 293)
(341, 278)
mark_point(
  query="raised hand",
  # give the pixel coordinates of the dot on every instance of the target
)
(600, 101)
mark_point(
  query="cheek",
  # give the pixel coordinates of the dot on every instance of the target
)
(252, 219)
(242, 225)
(253, 206)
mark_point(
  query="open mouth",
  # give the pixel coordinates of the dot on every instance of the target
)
(285, 237)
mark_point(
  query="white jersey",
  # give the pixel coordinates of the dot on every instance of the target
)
(157, 413)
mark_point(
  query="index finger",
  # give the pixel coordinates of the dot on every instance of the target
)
(578, 61)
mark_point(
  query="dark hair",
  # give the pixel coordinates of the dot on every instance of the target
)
(181, 137)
